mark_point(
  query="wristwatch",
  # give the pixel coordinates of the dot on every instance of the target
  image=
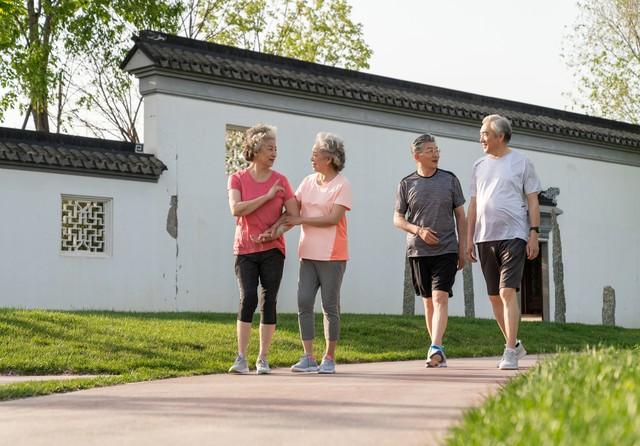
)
(534, 228)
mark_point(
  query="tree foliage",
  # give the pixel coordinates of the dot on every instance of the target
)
(604, 52)
(316, 31)
(108, 104)
(40, 38)
(67, 52)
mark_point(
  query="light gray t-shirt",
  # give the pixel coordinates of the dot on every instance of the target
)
(501, 185)
(429, 202)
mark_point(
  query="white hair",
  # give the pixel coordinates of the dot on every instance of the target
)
(500, 125)
(333, 145)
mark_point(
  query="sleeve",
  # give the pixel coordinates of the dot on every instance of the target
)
(234, 182)
(300, 189)
(458, 197)
(472, 185)
(401, 205)
(531, 180)
(344, 197)
(288, 191)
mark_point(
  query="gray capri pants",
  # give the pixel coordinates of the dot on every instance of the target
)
(326, 275)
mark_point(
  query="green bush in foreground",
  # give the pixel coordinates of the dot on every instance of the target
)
(587, 398)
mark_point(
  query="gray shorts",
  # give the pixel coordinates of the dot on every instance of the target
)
(502, 263)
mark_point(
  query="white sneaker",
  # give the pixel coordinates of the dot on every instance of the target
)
(509, 360)
(436, 357)
(239, 366)
(262, 366)
(520, 351)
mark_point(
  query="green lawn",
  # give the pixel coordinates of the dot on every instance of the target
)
(587, 398)
(139, 346)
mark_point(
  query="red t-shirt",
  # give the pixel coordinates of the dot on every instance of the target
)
(248, 227)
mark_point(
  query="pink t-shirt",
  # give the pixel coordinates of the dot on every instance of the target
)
(248, 227)
(328, 243)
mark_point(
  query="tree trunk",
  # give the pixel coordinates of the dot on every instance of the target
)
(41, 119)
(26, 117)
(39, 88)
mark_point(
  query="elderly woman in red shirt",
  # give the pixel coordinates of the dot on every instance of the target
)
(257, 196)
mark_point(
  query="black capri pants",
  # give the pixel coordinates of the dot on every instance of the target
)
(264, 268)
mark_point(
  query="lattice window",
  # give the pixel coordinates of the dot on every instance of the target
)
(233, 160)
(85, 226)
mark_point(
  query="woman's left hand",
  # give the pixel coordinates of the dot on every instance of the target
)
(266, 236)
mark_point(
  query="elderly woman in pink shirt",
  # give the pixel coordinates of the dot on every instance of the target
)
(257, 196)
(324, 198)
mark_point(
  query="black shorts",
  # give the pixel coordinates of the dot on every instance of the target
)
(433, 273)
(502, 263)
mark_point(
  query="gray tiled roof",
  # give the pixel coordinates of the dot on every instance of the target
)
(233, 65)
(25, 149)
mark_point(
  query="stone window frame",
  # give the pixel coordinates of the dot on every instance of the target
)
(108, 226)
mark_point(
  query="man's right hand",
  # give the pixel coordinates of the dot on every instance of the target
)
(471, 252)
(429, 236)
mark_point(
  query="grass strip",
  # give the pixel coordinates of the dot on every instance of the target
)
(587, 398)
(142, 346)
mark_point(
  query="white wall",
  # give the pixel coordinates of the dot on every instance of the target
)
(36, 275)
(149, 270)
(600, 212)
(600, 241)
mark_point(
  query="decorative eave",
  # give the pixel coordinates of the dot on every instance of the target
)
(56, 153)
(170, 55)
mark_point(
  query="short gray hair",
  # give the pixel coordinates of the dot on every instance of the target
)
(500, 125)
(254, 138)
(418, 144)
(333, 145)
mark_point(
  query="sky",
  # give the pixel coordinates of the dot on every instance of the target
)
(509, 49)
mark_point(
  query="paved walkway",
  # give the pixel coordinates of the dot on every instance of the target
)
(363, 404)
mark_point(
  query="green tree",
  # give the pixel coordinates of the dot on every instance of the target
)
(107, 103)
(73, 58)
(604, 52)
(316, 31)
(41, 39)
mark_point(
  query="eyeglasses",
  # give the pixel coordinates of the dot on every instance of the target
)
(431, 151)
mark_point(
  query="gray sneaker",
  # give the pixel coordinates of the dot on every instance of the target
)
(262, 366)
(520, 351)
(509, 360)
(239, 366)
(327, 366)
(306, 364)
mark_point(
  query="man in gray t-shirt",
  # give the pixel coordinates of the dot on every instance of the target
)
(426, 203)
(504, 216)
